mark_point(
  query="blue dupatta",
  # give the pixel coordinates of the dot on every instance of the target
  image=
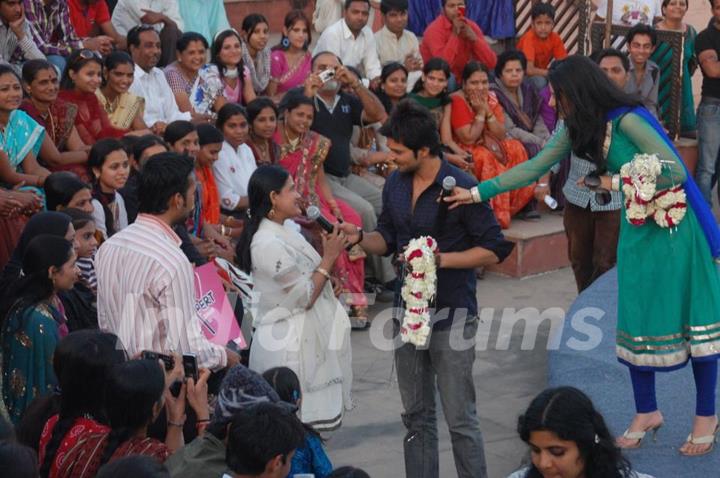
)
(692, 192)
(21, 136)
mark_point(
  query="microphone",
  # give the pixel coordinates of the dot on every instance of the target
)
(313, 213)
(448, 185)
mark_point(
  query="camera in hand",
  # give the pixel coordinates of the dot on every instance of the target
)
(190, 366)
(168, 360)
(326, 75)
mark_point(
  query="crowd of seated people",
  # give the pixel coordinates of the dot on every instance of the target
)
(130, 131)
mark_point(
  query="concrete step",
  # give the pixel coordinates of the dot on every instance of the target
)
(540, 246)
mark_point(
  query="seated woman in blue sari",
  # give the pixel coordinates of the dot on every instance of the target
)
(33, 322)
(20, 138)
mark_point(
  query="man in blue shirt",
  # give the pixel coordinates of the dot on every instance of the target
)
(470, 237)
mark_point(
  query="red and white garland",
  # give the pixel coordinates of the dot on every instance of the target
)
(639, 186)
(419, 286)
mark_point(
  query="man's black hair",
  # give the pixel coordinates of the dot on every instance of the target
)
(162, 177)
(260, 433)
(413, 126)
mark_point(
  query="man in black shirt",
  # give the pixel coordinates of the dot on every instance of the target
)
(469, 237)
(336, 113)
(707, 48)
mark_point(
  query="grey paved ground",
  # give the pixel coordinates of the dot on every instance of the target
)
(505, 380)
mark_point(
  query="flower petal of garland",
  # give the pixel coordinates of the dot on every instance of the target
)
(419, 287)
(639, 186)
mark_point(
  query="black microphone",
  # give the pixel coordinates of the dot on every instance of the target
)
(313, 213)
(448, 185)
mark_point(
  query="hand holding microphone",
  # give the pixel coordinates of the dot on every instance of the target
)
(448, 185)
(313, 213)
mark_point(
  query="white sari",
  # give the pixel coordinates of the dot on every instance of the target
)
(315, 342)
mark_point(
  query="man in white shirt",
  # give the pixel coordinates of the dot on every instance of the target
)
(145, 282)
(150, 82)
(352, 40)
(396, 44)
(163, 15)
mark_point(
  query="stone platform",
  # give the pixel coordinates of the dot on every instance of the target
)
(540, 246)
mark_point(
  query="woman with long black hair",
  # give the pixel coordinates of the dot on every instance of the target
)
(135, 395)
(82, 362)
(296, 300)
(33, 322)
(668, 284)
(110, 167)
(567, 436)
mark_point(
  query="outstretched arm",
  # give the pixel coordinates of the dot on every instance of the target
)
(521, 175)
(648, 141)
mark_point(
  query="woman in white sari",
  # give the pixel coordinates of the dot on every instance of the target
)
(299, 323)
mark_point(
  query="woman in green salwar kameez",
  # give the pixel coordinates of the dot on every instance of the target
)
(673, 13)
(668, 284)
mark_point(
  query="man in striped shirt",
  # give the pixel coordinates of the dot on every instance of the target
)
(145, 282)
(16, 35)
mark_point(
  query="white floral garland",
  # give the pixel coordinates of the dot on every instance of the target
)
(419, 287)
(639, 186)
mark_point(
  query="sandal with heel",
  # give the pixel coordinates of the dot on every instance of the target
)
(640, 436)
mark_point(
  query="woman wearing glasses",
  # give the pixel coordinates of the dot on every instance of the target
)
(668, 284)
(80, 81)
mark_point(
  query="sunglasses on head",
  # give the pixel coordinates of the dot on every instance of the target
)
(86, 54)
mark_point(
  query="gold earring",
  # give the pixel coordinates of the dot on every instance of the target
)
(272, 213)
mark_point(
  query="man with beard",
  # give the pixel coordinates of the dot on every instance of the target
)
(150, 82)
(336, 113)
(469, 237)
(145, 282)
(16, 40)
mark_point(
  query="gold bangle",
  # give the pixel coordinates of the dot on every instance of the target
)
(475, 195)
(323, 273)
(222, 230)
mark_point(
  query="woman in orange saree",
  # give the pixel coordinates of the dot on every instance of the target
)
(478, 126)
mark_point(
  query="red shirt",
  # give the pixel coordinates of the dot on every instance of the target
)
(439, 40)
(84, 18)
(542, 52)
(81, 426)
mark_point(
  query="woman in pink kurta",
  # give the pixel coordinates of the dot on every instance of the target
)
(290, 61)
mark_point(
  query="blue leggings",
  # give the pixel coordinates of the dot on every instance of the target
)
(705, 373)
